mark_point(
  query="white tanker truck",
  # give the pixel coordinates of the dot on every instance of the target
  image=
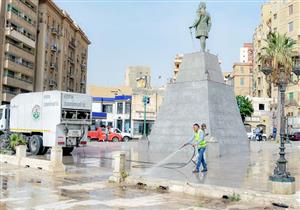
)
(46, 119)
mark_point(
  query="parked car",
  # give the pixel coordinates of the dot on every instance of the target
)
(100, 135)
(295, 136)
(252, 136)
(125, 136)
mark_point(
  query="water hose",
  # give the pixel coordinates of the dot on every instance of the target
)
(167, 165)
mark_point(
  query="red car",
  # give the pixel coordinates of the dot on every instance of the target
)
(295, 136)
(100, 135)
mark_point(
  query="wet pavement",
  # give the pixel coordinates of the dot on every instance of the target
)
(87, 188)
(260, 166)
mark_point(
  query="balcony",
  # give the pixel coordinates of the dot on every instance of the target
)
(71, 59)
(20, 52)
(8, 64)
(72, 44)
(52, 83)
(83, 66)
(20, 20)
(70, 75)
(53, 48)
(17, 82)
(54, 31)
(12, 33)
(82, 82)
(53, 65)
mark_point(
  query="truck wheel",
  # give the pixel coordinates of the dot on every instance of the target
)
(115, 139)
(67, 151)
(126, 138)
(45, 150)
(36, 145)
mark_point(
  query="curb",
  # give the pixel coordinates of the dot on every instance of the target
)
(203, 190)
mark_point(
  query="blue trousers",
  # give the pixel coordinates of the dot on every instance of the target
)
(201, 159)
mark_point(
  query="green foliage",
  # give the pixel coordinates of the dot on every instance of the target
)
(245, 107)
(16, 140)
(277, 54)
(235, 197)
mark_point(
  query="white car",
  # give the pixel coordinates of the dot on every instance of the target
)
(125, 136)
(252, 136)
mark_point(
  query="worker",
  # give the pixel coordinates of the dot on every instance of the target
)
(199, 142)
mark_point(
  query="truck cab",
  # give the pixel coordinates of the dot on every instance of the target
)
(4, 118)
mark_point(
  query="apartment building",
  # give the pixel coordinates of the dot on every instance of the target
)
(138, 77)
(242, 79)
(18, 37)
(241, 75)
(177, 62)
(62, 51)
(41, 48)
(278, 16)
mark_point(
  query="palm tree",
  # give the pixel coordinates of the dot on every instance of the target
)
(277, 61)
(277, 55)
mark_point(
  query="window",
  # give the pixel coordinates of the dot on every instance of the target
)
(127, 107)
(261, 107)
(291, 9)
(242, 81)
(119, 124)
(259, 93)
(275, 16)
(291, 96)
(107, 108)
(120, 108)
(259, 81)
(127, 126)
(291, 26)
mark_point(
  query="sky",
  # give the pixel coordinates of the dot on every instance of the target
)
(151, 33)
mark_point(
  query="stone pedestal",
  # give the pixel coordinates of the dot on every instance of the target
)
(21, 151)
(287, 187)
(118, 167)
(56, 164)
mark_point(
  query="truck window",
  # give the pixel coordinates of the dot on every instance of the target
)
(1, 113)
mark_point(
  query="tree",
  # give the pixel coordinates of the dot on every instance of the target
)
(245, 107)
(277, 60)
(278, 54)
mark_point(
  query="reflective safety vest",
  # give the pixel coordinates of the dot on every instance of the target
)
(197, 137)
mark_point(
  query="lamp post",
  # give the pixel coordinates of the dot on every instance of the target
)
(280, 174)
(146, 100)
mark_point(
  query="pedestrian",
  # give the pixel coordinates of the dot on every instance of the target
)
(200, 143)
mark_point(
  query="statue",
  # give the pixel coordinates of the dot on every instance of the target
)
(202, 25)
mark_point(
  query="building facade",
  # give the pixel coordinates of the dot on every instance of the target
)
(283, 17)
(41, 48)
(242, 79)
(177, 62)
(246, 53)
(62, 51)
(18, 35)
(115, 112)
(262, 116)
(138, 77)
(156, 96)
(241, 76)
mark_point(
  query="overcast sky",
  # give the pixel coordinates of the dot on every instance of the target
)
(151, 33)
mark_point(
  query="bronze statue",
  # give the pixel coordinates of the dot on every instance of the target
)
(202, 25)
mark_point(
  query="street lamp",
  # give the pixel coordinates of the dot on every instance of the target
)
(283, 79)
